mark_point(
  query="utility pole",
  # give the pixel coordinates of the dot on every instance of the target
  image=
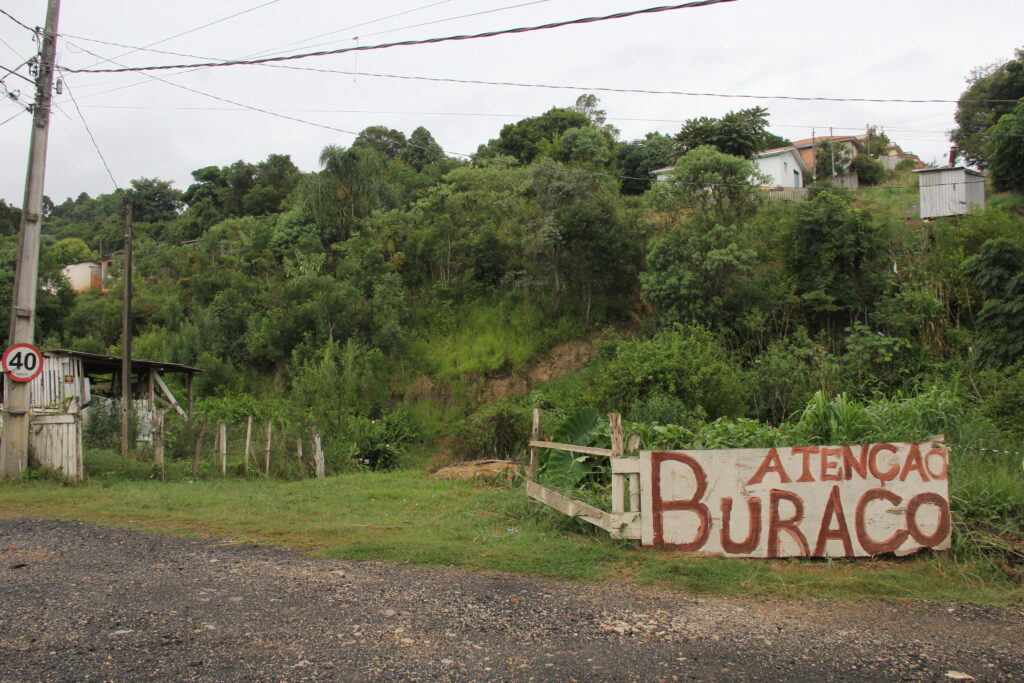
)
(126, 331)
(14, 452)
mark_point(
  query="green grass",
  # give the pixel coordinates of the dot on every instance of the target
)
(406, 516)
(487, 337)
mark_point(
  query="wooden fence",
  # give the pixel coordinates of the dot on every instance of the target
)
(264, 448)
(624, 519)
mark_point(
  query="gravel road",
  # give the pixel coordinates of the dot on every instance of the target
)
(82, 603)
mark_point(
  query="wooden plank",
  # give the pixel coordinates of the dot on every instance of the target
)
(618, 493)
(170, 396)
(318, 456)
(534, 435)
(618, 445)
(625, 465)
(266, 452)
(626, 525)
(568, 506)
(589, 450)
(223, 448)
(199, 448)
(248, 445)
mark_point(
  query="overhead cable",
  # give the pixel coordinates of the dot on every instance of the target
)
(24, 26)
(407, 43)
(91, 136)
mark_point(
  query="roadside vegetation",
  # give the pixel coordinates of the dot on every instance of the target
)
(410, 307)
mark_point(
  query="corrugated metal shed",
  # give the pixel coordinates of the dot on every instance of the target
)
(950, 191)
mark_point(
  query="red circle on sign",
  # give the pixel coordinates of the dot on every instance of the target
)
(23, 357)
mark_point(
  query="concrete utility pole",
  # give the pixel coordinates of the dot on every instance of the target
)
(126, 331)
(14, 453)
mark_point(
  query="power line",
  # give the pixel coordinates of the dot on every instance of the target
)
(349, 28)
(91, 136)
(436, 21)
(407, 43)
(16, 115)
(24, 26)
(14, 72)
(184, 33)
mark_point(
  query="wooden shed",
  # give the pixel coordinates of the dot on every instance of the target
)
(950, 191)
(72, 381)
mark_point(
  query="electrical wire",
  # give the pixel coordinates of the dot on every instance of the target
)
(91, 136)
(436, 21)
(16, 115)
(408, 43)
(14, 72)
(24, 26)
(184, 33)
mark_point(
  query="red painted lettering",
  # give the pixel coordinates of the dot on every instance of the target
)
(833, 510)
(870, 545)
(943, 457)
(790, 526)
(889, 474)
(659, 506)
(753, 530)
(851, 465)
(941, 529)
(771, 463)
(827, 465)
(914, 463)
(806, 452)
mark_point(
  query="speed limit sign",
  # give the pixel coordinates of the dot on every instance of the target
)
(22, 362)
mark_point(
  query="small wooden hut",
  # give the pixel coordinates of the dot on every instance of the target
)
(71, 381)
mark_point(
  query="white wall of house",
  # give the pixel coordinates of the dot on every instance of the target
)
(785, 167)
(83, 276)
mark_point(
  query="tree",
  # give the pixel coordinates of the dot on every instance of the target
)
(876, 143)
(717, 187)
(589, 104)
(831, 158)
(740, 133)
(422, 149)
(835, 253)
(997, 272)
(588, 147)
(155, 201)
(638, 158)
(1005, 151)
(869, 172)
(991, 92)
(10, 219)
(387, 142)
(527, 139)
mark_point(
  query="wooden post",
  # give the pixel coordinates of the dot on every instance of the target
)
(266, 453)
(248, 446)
(188, 383)
(531, 473)
(634, 479)
(126, 332)
(216, 448)
(223, 448)
(158, 443)
(318, 456)
(298, 456)
(618, 480)
(199, 448)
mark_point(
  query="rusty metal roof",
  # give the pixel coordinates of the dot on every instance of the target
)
(95, 362)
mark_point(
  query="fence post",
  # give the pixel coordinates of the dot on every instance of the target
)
(223, 448)
(318, 456)
(618, 480)
(248, 446)
(158, 443)
(298, 457)
(534, 436)
(266, 453)
(199, 448)
(634, 479)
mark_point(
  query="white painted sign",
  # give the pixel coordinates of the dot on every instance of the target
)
(812, 501)
(22, 362)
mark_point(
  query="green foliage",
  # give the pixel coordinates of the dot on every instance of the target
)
(388, 143)
(835, 252)
(869, 172)
(831, 158)
(714, 186)
(696, 273)
(997, 271)
(740, 133)
(684, 362)
(639, 158)
(422, 150)
(10, 219)
(1004, 150)
(563, 469)
(992, 91)
(526, 139)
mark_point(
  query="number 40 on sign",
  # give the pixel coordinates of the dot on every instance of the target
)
(22, 362)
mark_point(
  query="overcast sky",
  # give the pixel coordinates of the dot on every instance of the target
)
(896, 49)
